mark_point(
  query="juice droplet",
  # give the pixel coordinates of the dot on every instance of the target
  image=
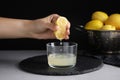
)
(61, 42)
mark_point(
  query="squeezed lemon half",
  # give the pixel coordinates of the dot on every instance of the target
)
(61, 22)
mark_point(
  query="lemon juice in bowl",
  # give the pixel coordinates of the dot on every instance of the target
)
(62, 60)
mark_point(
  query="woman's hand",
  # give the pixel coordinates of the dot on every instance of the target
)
(44, 28)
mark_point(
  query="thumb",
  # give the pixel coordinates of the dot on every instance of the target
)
(52, 22)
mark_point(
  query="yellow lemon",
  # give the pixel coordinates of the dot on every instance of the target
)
(94, 25)
(108, 27)
(114, 19)
(100, 15)
(61, 22)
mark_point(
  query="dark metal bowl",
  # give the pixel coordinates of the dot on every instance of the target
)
(103, 41)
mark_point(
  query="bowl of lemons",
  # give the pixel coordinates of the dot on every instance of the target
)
(103, 32)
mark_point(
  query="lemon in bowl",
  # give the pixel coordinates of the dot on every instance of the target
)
(100, 15)
(108, 27)
(94, 25)
(114, 20)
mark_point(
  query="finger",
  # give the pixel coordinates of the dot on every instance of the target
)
(67, 37)
(51, 22)
(46, 35)
(68, 32)
(49, 35)
(54, 17)
(68, 29)
(52, 27)
(68, 25)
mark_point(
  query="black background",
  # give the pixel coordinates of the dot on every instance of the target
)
(78, 12)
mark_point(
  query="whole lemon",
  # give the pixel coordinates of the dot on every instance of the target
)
(100, 15)
(114, 19)
(108, 27)
(94, 25)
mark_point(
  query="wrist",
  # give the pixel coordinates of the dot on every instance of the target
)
(27, 28)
